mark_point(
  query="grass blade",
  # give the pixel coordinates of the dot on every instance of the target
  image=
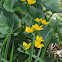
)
(5, 40)
(6, 49)
(11, 55)
(37, 58)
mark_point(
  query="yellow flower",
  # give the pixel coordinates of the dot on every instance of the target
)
(39, 39)
(23, 0)
(31, 2)
(27, 46)
(44, 22)
(37, 20)
(29, 30)
(38, 27)
(38, 44)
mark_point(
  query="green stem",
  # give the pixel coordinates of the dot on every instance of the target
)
(31, 50)
(37, 58)
(11, 55)
(36, 33)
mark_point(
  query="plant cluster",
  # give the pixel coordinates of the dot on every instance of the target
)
(30, 30)
(37, 28)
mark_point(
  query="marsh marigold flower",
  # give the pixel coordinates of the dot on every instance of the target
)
(29, 30)
(39, 39)
(31, 2)
(44, 22)
(37, 20)
(27, 46)
(23, 0)
(38, 44)
(36, 27)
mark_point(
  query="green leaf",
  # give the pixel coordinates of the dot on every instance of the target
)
(35, 12)
(23, 9)
(9, 5)
(27, 20)
(38, 6)
(44, 32)
(0, 4)
(50, 34)
(6, 21)
(52, 5)
(52, 22)
(4, 28)
(4, 60)
(48, 40)
(14, 18)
